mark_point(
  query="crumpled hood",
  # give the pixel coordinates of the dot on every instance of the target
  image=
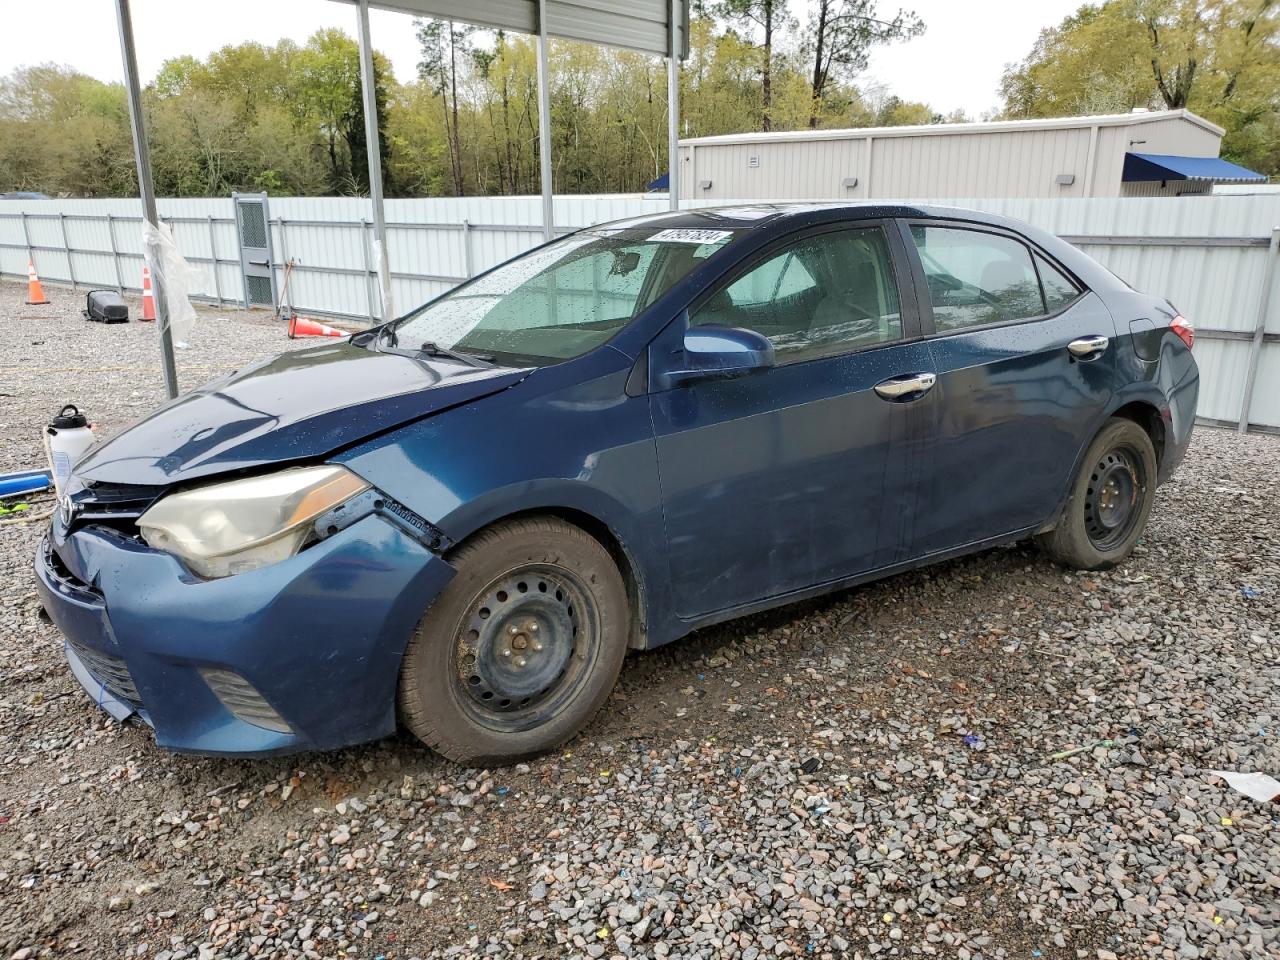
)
(299, 405)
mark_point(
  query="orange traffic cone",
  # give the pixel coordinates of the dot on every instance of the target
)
(35, 295)
(302, 327)
(148, 299)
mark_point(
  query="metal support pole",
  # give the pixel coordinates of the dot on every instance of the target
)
(115, 253)
(673, 108)
(147, 191)
(544, 125)
(66, 246)
(1259, 328)
(468, 258)
(213, 255)
(369, 90)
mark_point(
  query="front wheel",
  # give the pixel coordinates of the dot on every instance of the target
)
(1110, 500)
(521, 648)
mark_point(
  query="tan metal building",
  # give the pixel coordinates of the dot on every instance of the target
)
(1140, 154)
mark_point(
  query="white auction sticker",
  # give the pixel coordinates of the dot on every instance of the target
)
(691, 236)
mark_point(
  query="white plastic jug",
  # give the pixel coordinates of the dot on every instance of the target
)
(65, 440)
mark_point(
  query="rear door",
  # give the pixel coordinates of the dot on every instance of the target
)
(800, 474)
(1025, 364)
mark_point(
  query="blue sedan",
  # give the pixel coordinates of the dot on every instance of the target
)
(461, 521)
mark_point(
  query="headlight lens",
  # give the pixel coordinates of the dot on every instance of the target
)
(229, 528)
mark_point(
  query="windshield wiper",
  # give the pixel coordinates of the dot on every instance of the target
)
(432, 349)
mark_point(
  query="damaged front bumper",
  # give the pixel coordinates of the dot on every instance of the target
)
(300, 655)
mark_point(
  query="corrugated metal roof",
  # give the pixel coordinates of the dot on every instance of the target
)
(950, 129)
(633, 24)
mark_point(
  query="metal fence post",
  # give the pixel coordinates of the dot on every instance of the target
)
(284, 258)
(368, 272)
(115, 253)
(66, 247)
(1259, 328)
(213, 255)
(26, 237)
(468, 267)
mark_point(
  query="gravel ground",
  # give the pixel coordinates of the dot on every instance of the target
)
(879, 773)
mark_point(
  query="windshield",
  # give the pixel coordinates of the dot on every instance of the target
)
(561, 300)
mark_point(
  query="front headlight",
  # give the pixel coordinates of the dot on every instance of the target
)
(229, 528)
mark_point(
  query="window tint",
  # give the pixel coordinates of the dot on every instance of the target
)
(1058, 289)
(823, 295)
(977, 278)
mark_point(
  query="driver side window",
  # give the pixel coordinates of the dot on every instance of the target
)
(823, 295)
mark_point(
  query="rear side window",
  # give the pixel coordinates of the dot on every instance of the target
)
(820, 296)
(977, 278)
(1059, 290)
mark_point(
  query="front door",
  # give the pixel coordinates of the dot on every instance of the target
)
(800, 474)
(1025, 368)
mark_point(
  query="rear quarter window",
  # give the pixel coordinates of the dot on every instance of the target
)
(1059, 289)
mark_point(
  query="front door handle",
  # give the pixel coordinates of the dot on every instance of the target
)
(1088, 348)
(910, 386)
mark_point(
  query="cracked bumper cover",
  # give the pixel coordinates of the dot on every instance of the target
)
(319, 636)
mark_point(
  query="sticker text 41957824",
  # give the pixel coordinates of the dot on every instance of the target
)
(691, 236)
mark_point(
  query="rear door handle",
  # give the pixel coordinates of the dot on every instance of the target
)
(1088, 348)
(909, 386)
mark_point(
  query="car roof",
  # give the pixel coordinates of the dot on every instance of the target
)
(774, 219)
(753, 216)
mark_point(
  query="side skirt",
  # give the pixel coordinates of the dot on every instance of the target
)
(682, 628)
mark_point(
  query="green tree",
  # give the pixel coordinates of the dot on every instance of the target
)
(771, 17)
(1218, 58)
(841, 36)
(64, 133)
(445, 48)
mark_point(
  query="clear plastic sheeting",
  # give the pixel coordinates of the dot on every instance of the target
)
(176, 278)
(384, 288)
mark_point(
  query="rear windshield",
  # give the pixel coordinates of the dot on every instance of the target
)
(561, 300)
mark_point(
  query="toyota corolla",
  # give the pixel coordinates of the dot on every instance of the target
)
(462, 520)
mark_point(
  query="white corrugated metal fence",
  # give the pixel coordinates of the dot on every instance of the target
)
(1214, 257)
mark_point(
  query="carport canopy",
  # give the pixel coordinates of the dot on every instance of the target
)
(649, 26)
(1164, 166)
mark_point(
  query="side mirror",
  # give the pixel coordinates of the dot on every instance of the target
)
(718, 353)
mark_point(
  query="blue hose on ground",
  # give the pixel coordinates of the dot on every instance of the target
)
(29, 481)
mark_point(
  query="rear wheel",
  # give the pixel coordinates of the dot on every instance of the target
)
(522, 647)
(1110, 500)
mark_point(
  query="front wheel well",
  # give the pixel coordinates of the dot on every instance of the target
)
(603, 534)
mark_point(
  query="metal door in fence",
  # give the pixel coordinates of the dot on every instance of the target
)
(253, 227)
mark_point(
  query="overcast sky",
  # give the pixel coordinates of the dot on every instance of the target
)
(956, 64)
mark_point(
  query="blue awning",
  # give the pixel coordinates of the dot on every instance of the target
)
(1163, 166)
(662, 183)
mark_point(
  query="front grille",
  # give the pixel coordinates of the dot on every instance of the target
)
(239, 696)
(110, 672)
(113, 505)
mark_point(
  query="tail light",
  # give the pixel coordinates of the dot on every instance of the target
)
(1183, 328)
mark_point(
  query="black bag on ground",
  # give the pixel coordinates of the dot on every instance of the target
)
(105, 306)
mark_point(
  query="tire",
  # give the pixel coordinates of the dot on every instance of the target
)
(522, 647)
(1110, 500)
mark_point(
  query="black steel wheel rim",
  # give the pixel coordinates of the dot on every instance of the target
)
(1113, 499)
(526, 647)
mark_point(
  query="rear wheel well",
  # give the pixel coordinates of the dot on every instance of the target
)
(603, 534)
(1148, 418)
